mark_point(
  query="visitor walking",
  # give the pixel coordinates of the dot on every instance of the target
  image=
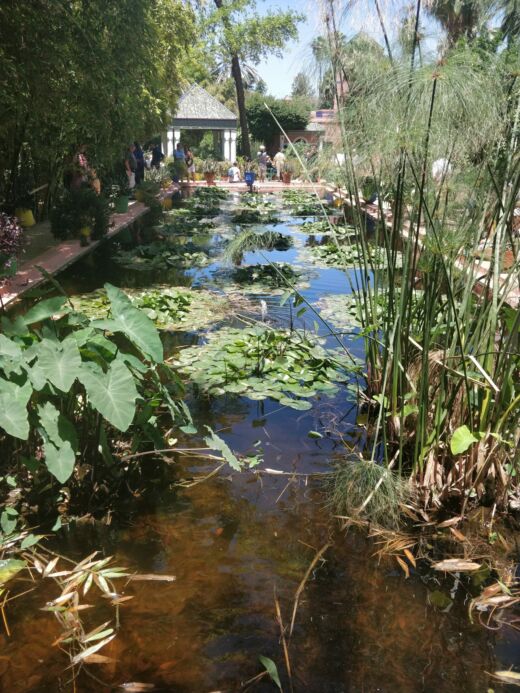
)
(139, 158)
(180, 162)
(157, 156)
(262, 158)
(279, 161)
(130, 165)
(190, 163)
(234, 173)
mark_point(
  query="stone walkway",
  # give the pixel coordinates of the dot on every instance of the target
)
(59, 255)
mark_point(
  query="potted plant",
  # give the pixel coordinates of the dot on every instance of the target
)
(23, 210)
(11, 243)
(209, 169)
(146, 187)
(287, 172)
(80, 213)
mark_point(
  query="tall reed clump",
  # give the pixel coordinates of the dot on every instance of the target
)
(438, 141)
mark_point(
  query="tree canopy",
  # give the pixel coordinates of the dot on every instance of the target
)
(97, 73)
(291, 114)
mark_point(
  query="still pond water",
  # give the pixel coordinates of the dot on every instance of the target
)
(237, 541)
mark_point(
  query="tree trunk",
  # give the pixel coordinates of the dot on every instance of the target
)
(241, 99)
(241, 102)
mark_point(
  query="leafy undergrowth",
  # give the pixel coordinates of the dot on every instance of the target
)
(170, 308)
(261, 363)
(161, 256)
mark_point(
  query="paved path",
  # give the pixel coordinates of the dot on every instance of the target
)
(61, 255)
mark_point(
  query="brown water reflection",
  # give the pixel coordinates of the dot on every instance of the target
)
(360, 626)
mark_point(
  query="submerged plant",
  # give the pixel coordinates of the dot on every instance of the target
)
(261, 363)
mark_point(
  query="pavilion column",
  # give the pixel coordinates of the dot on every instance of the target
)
(226, 154)
(168, 149)
(233, 146)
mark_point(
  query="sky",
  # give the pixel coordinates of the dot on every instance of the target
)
(278, 73)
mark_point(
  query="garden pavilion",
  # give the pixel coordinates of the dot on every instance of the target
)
(199, 110)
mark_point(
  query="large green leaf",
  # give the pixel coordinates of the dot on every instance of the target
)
(57, 427)
(271, 669)
(112, 393)
(60, 461)
(9, 348)
(45, 309)
(133, 323)
(461, 440)
(60, 362)
(9, 568)
(13, 408)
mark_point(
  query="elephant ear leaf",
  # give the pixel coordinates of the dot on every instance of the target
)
(60, 362)
(133, 323)
(112, 393)
(60, 442)
(13, 408)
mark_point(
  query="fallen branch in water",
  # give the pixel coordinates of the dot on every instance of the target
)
(302, 584)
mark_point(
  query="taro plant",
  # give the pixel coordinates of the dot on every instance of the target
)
(69, 385)
(261, 363)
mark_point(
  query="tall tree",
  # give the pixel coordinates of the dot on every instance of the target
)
(301, 87)
(240, 35)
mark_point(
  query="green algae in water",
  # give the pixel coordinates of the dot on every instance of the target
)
(261, 363)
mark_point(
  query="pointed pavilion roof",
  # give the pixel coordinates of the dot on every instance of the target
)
(199, 110)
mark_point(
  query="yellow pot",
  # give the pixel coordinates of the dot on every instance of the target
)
(167, 203)
(85, 231)
(25, 216)
(139, 195)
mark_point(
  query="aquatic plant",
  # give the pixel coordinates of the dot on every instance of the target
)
(330, 254)
(66, 383)
(250, 240)
(211, 193)
(325, 227)
(302, 204)
(261, 363)
(360, 487)
(269, 275)
(254, 209)
(461, 445)
(162, 256)
(169, 307)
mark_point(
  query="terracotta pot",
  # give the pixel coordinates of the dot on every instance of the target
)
(210, 178)
(286, 177)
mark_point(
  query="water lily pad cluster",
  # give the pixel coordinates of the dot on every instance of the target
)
(302, 204)
(261, 363)
(177, 225)
(211, 193)
(271, 276)
(322, 227)
(329, 254)
(169, 307)
(255, 209)
(162, 256)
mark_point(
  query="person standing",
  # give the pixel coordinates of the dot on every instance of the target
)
(279, 161)
(262, 159)
(190, 163)
(180, 162)
(157, 156)
(130, 165)
(139, 159)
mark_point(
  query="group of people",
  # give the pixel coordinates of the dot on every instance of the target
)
(265, 163)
